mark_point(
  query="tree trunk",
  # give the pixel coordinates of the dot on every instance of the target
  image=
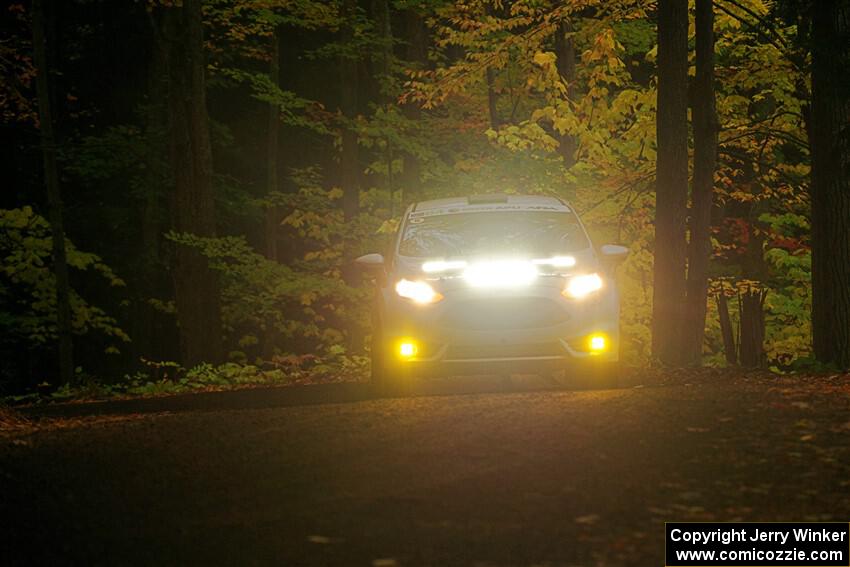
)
(350, 170)
(349, 167)
(195, 284)
(416, 35)
(490, 75)
(566, 62)
(381, 15)
(272, 214)
(272, 222)
(726, 328)
(830, 187)
(751, 317)
(147, 338)
(671, 181)
(705, 162)
(54, 195)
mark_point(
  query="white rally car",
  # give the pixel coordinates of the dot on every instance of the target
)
(495, 284)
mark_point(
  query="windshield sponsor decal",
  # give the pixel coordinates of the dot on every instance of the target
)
(486, 209)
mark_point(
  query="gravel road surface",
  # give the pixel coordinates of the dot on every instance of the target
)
(456, 475)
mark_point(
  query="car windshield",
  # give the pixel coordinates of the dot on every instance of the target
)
(531, 233)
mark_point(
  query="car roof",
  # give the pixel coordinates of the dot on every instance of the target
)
(492, 202)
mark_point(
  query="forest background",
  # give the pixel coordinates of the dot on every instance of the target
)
(221, 163)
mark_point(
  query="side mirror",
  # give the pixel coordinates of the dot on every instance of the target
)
(370, 261)
(613, 253)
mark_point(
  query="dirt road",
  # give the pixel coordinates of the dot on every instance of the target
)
(527, 476)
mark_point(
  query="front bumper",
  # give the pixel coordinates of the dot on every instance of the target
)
(472, 331)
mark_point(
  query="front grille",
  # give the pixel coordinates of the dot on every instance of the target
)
(467, 352)
(503, 314)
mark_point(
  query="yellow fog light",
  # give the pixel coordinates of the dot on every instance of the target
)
(407, 349)
(598, 343)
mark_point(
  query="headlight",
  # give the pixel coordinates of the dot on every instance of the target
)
(418, 292)
(580, 287)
